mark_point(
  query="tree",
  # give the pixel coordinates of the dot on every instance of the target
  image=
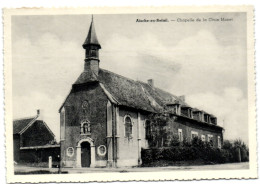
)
(227, 144)
(159, 132)
(242, 149)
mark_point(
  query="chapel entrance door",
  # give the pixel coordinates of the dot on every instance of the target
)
(85, 154)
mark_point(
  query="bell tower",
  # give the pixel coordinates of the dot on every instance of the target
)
(91, 46)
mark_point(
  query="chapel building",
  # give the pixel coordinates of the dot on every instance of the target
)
(104, 119)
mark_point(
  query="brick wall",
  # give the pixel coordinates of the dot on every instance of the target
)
(95, 112)
(128, 148)
(75, 114)
(190, 125)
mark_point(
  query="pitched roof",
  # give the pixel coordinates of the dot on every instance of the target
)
(92, 37)
(127, 92)
(20, 124)
(131, 93)
(161, 96)
(86, 76)
(196, 110)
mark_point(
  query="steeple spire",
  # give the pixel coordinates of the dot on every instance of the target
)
(91, 46)
(92, 37)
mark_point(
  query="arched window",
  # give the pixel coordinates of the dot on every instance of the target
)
(147, 129)
(85, 127)
(128, 127)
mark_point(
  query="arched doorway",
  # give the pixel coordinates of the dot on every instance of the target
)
(85, 154)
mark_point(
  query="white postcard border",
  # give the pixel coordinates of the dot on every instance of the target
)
(134, 176)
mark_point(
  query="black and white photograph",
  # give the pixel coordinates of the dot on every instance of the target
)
(118, 93)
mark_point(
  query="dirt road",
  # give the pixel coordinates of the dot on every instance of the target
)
(230, 166)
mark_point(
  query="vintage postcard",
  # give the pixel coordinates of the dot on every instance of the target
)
(129, 94)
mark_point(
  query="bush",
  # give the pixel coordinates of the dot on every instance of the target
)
(147, 155)
(234, 149)
(196, 150)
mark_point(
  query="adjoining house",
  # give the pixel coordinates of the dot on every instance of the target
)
(33, 140)
(104, 119)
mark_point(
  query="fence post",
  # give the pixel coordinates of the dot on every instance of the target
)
(50, 162)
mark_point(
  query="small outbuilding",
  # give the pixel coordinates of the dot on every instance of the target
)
(33, 140)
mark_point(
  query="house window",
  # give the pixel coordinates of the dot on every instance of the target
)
(128, 127)
(85, 127)
(210, 139)
(213, 120)
(190, 113)
(184, 111)
(203, 138)
(180, 135)
(194, 134)
(205, 118)
(177, 109)
(196, 115)
(147, 129)
(219, 142)
(70, 151)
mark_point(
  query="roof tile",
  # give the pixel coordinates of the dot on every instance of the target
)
(19, 125)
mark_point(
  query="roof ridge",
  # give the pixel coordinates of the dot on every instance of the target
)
(31, 117)
(28, 125)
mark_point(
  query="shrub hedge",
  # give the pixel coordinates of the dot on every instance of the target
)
(193, 151)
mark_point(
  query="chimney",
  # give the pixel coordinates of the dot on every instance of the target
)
(150, 82)
(182, 98)
(40, 114)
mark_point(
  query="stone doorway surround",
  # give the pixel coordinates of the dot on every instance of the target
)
(92, 152)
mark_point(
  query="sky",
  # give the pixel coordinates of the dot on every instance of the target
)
(206, 60)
